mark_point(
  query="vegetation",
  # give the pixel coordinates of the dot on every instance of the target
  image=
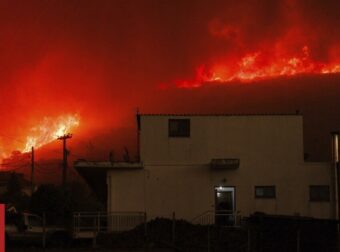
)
(14, 194)
(57, 202)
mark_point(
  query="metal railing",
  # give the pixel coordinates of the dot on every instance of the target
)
(221, 218)
(92, 223)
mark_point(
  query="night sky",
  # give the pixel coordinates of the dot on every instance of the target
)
(101, 60)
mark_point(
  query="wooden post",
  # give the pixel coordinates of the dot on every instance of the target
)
(173, 228)
(145, 225)
(209, 238)
(94, 240)
(44, 230)
(298, 238)
(2, 227)
(248, 242)
(32, 171)
(65, 154)
(98, 223)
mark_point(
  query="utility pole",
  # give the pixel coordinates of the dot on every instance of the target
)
(32, 171)
(65, 154)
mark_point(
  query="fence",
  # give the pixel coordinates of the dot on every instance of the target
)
(287, 233)
(220, 218)
(89, 224)
(210, 231)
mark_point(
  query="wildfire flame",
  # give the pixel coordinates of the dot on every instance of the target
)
(257, 66)
(49, 129)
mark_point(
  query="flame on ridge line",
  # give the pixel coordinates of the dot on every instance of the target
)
(49, 129)
(258, 66)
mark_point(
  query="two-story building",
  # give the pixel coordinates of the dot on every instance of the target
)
(191, 164)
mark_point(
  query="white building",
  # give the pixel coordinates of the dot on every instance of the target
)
(195, 164)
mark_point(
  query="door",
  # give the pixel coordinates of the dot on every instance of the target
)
(225, 205)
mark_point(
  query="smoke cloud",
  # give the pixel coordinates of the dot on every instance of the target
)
(104, 59)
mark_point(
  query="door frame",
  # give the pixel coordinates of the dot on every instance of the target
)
(234, 200)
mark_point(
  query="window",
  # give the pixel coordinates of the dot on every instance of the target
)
(265, 192)
(319, 193)
(179, 127)
(34, 221)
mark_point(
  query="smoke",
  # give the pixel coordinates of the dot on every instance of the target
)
(103, 59)
(269, 39)
(250, 25)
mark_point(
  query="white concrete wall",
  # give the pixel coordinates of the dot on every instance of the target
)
(189, 191)
(177, 176)
(259, 138)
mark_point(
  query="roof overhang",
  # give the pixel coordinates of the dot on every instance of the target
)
(94, 173)
(225, 163)
(106, 165)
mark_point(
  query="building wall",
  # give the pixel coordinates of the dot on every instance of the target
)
(177, 175)
(256, 138)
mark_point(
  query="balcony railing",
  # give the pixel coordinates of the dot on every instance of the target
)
(88, 224)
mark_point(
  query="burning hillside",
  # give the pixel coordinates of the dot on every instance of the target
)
(44, 132)
(266, 40)
(103, 59)
(49, 129)
(260, 66)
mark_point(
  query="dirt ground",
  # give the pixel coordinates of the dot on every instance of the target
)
(39, 249)
(81, 248)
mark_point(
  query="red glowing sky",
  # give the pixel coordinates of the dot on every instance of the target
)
(103, 59)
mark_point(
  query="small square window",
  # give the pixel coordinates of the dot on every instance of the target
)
(179, 127)
(265, 192)
(319, 193)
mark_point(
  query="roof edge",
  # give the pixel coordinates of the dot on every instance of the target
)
(238, 114)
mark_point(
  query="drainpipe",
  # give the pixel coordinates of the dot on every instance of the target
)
(138, 135)
(335, 164)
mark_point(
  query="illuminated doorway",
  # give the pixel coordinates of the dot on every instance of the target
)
(225, 205)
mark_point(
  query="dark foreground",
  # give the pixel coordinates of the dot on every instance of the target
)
(260, 233)
(39, 249)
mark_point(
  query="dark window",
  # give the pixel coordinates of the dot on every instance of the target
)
(179, 127)
(265, 192)
(34, 221)
(319, 193)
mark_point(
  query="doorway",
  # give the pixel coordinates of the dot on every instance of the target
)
(225, 205)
